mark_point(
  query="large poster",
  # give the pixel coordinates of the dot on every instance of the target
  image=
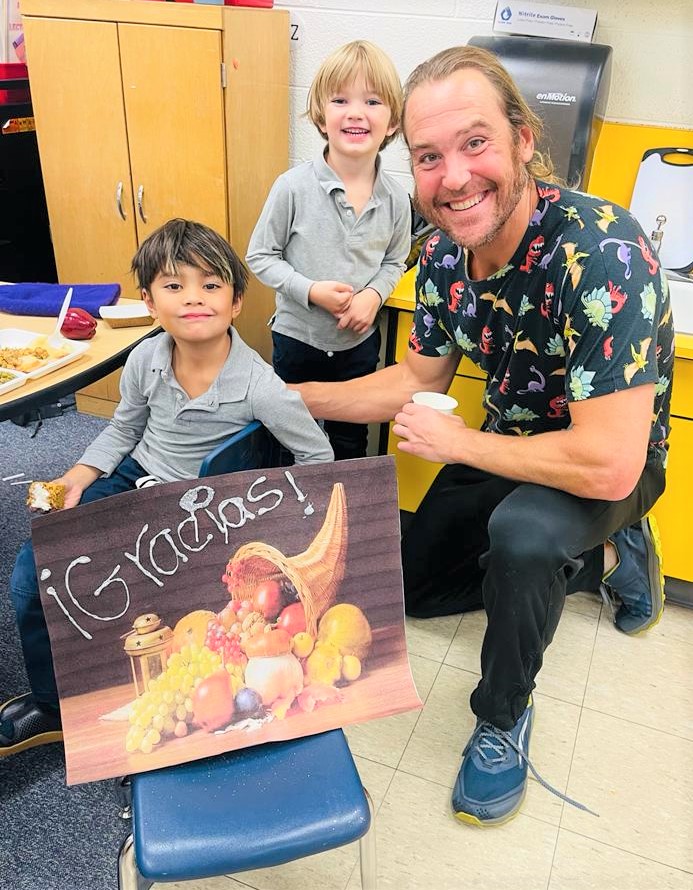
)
(198, 617)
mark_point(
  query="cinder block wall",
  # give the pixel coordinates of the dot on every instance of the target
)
(652, 79)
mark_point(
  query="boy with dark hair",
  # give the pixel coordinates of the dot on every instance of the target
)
(183, 392)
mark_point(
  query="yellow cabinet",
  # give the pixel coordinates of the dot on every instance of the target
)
(146, 111)
(415, 475)
(673, 508)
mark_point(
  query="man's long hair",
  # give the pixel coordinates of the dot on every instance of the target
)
(517, 111)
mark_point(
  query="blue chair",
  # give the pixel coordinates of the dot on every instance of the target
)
(253, 808)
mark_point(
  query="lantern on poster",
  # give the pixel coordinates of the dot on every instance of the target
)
(148, 646)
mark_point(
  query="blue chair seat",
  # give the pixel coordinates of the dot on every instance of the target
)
(247, 809)
(253, 808)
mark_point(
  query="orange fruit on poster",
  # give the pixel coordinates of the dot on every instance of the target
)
(192, 628)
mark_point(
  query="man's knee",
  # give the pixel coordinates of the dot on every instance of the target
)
(519, 534)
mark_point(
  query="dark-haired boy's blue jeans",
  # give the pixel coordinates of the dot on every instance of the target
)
(24, 591)
(297, 362)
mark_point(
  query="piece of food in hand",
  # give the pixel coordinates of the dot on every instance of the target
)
(46, 496)
(78, 324)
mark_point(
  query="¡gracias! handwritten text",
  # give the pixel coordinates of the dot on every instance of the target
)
(171, 545)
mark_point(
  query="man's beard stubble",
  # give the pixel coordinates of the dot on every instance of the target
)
(503, 212)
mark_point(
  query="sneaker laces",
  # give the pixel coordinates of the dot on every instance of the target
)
(492, 746)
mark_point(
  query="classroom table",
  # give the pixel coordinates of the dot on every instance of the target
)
(107, 352)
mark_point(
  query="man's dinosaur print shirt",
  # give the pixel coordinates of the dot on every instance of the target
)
(581, 310)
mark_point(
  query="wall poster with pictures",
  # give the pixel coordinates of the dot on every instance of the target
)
(197, 617)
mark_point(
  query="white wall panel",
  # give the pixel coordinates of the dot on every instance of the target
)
(652, 80)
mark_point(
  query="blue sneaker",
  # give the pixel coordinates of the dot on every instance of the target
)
(638, 579)
(492, 780)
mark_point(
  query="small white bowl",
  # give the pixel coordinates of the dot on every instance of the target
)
(126, 315)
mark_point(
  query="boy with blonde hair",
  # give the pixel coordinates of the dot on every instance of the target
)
(335, 231)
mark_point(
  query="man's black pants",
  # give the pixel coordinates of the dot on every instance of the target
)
(515, 549)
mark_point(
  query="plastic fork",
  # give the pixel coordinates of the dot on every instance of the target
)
(56, 339)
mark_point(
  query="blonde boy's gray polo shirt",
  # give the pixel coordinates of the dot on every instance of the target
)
(169, 433)
(308, 232)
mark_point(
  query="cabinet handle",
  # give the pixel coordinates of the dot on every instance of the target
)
(140, 199)
(119, 200)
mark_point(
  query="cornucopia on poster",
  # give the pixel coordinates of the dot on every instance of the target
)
(274, 638)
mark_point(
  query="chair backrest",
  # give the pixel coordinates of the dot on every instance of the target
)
(252, 448)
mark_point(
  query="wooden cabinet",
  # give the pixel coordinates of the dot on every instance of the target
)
(146, 111)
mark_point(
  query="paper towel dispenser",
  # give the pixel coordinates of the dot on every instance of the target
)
(567, 84)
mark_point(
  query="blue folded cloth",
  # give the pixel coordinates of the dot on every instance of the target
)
(46, 299)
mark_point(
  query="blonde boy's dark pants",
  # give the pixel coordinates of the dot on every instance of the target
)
(516, 550)
(297, 362)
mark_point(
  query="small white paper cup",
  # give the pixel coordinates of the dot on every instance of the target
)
(437, 400)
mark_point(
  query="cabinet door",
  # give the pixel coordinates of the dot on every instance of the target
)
(174, 110)
(80, 123)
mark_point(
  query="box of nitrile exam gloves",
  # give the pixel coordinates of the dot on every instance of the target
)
(545, 20)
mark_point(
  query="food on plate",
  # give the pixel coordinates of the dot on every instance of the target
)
(6, 378)
(29, 358)
(46, 496)
(78, 324)
(346, 627)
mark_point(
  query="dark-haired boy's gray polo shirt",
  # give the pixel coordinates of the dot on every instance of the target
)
(169, 433)
(309, 232)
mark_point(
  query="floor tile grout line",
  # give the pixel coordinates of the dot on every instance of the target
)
(597, 840)
(418, 716)
(579, 723)
(673, 735)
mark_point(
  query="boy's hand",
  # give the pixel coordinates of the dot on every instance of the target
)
(75, 481)
(334, 296)
(361, 312)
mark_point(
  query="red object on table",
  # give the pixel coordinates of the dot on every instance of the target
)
(78, 324)
(267, 4)
(14, 71)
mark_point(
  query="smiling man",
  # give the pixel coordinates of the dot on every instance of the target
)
(559, 298)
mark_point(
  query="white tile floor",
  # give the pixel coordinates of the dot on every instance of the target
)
(614, 729)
